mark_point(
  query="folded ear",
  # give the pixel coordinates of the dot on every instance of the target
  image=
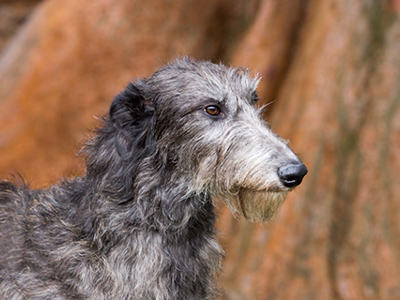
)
(132, 115)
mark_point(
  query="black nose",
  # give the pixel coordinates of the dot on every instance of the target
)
(291, 175)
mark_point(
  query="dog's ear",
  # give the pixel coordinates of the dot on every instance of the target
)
(132, 115)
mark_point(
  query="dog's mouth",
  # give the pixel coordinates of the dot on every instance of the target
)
(260, 205)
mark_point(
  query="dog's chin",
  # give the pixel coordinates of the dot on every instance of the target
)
(260, 206)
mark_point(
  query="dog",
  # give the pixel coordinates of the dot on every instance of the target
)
(140, 224)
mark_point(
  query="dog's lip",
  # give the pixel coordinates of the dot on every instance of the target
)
(266, 190)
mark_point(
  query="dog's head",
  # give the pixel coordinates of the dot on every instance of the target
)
(197, 121)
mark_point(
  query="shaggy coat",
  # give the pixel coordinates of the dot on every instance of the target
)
(140, 223)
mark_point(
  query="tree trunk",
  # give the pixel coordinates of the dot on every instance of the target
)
(331, 77)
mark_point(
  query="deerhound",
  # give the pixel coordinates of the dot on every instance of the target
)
(140, 223)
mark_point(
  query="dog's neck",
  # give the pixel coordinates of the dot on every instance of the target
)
(150, 202)
(180, 227)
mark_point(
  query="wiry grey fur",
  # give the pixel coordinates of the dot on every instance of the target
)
(140, 223)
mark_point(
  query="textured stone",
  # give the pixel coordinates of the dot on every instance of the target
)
(331, 69)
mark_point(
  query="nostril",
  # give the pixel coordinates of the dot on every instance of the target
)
(291, 175)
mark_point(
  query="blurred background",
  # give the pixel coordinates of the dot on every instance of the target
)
(331, 73)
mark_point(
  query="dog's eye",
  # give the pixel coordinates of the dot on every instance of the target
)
(254, 97)
(212, 110)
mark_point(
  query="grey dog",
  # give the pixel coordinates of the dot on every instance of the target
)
(140, 223)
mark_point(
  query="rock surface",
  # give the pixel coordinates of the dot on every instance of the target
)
(332, 73)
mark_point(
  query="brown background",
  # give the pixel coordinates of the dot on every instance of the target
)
(331, 70)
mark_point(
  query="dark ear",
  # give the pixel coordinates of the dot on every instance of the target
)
(132, 115)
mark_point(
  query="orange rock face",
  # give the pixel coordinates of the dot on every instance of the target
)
(332, 73)
(337, 235)
(67, 63)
